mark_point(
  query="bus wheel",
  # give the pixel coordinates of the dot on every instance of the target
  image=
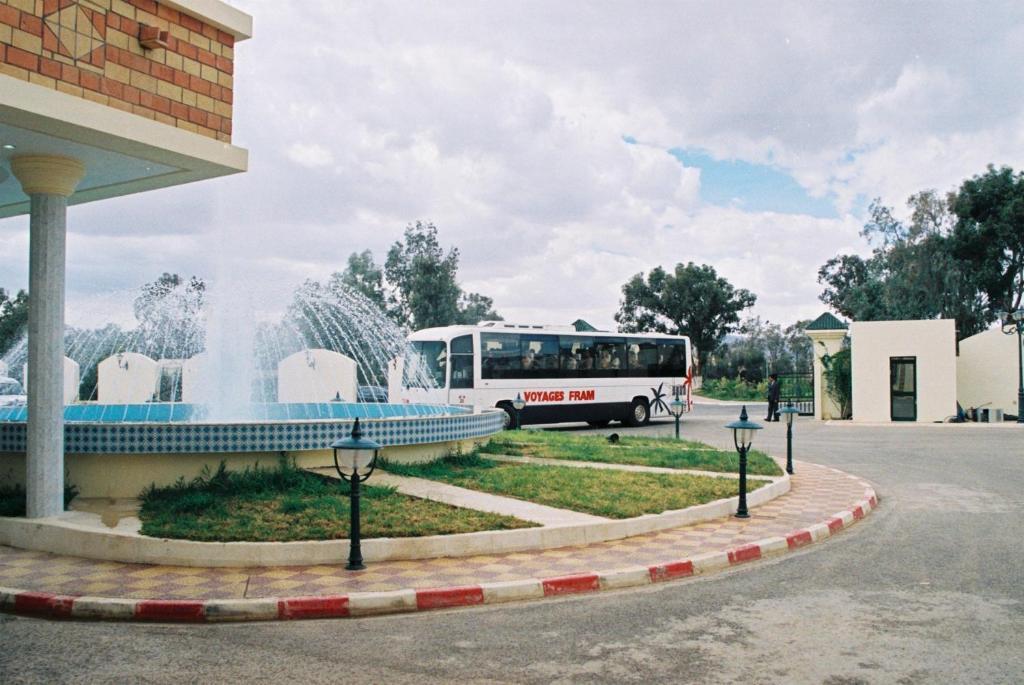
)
(639, 413)
(602, 423)
(510, 418)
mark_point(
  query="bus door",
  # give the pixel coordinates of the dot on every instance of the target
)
(460, 366)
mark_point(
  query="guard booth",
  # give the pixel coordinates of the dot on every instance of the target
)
(904, 370)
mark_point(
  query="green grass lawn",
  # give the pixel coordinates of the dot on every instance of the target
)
(287, 503)
(602, 492)
(630, 449)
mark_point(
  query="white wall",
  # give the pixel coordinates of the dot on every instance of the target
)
(316, 376)
(72, 379)
(128, 378)
(987, 371)
(933, 343)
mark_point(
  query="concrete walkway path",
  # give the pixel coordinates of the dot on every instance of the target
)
(634, 468)
(474, 499)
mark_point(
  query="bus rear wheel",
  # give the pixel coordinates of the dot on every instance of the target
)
(510, 416)
(639, 413)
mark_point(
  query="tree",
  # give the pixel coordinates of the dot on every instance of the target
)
(760, 348)
(169, 313)
(989, 235)
(13, 318)
(692, 301)
(364, 277)
(426, 292)
(474, 308)
(423, 276)
(912, 273)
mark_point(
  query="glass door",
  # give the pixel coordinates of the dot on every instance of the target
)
(903, 388)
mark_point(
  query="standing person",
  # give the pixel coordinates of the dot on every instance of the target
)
(774, 390)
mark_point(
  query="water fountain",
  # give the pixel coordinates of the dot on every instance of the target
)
(218, 357)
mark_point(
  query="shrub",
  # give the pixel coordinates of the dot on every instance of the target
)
(839, 380)
(13, 499)
(734, 389)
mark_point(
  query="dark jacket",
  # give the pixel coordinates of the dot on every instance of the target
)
(774, 390)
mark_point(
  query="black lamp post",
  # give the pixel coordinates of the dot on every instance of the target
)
(675, 408)
(355, 464)
(789, 413)
(742, 437)
(519, 404)
(1013, 322)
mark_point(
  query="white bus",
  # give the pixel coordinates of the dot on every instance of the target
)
(562, 374)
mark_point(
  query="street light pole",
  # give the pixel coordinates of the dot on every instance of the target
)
(676, 409)
(357, 453)
(1013, 322)
(518, 404)
(789, 412)
(743, 436)
(1020, 373)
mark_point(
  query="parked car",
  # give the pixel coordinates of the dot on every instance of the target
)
(372, 393)
(11, 392)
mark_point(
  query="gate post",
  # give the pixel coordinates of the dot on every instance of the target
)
(826, 334)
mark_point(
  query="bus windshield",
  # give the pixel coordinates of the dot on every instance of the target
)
(425, 367)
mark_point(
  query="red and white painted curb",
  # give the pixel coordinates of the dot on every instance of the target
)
(47, 605)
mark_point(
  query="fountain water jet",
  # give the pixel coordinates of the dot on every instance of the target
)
(114, 450)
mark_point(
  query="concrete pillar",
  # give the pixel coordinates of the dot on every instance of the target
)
(824, 342)
(48, 181)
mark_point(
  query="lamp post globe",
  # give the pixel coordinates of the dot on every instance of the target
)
(743, 432)
(675, 407)
(355, 458)
(789, 413)
(519, 404)
(1013, 322)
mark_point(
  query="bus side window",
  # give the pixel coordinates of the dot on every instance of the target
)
(500, 355)
(677, 358)
(585, 357)
(611, 358)
(645, 361)
(570, 356)
(539, 355)
(665, 350)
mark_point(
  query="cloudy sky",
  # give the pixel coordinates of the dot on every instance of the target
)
(564, 147)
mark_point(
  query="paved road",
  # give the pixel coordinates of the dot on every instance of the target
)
(930, 588)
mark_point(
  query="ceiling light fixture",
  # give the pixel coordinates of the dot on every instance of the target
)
(8, 146)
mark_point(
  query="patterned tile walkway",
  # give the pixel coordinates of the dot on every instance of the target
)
(817, 493)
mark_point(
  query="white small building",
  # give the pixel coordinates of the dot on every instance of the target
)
(987, 374)
(903, 370)
(914, 370)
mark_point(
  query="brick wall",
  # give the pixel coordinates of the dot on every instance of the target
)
(91, 49)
